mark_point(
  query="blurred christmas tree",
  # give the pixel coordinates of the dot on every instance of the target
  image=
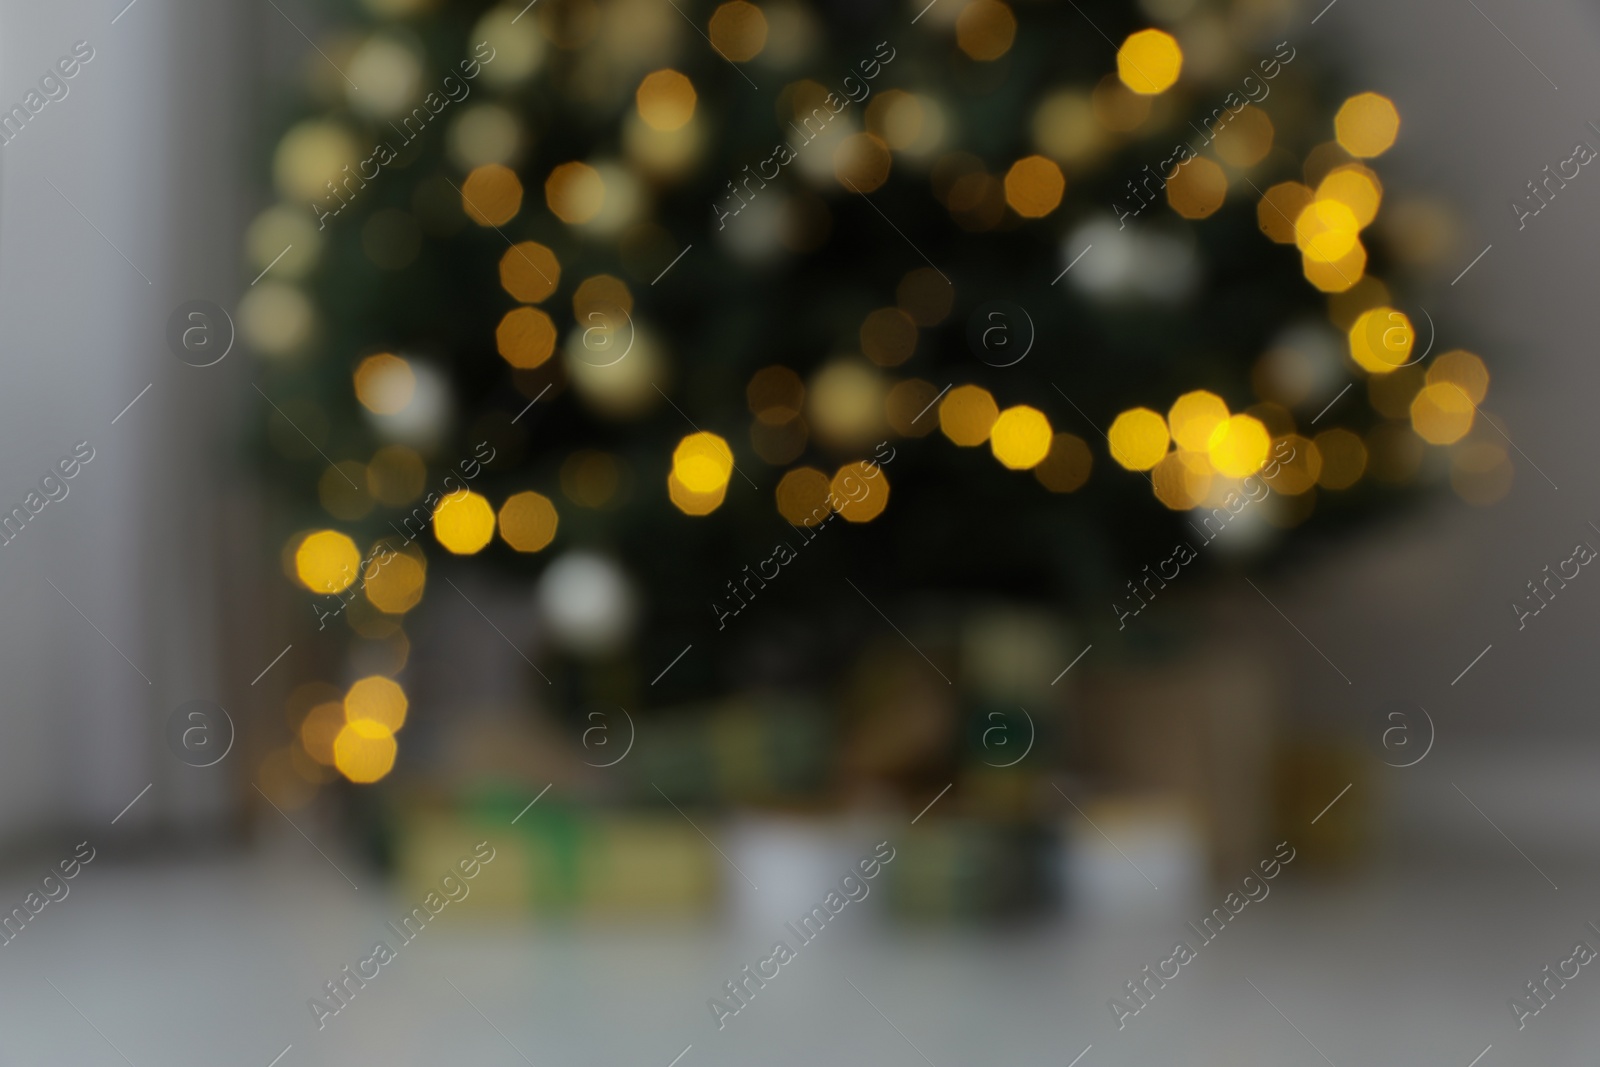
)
(623, 290)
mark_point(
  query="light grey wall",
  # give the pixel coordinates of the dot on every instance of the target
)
(146, 147)
(1407, 607)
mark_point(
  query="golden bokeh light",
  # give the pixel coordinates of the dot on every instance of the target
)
(1442, 414)
(1067, 466)
(665, 100)
(702, 462)
(1138, 439)
(1381, 340)
(666, 156)
(277, 319)
(598, 300)
(525, 338)
(1198, 189)
(908, 408)
(1279, 207)
(397, 586)
(310, 155)
(529, 271)
(519, 47)
(985, 29)
(1149, 62)
(860, 498)
(364, 751)
(967, 414)
(862, 162)
(342, 491)
(463, 522)
(925, 295)
(319, 728)
(377, 699)
(491, 195)
(327, 562)
(1325, 231)
(775, 394)
(1020, 438)
(690, 502)
(1034, 186)
(1064, 127)
(1194, 416)
(898, 117)
(395, 475)
(1300, 472)
(888, 337)
(802, 496)
(1340, 274)
(528, 521)
(1464, 370)
(575, 193)
(385, 384)
(1179, 482)
(844, 403)
(1367, 125)
(1238, 447)
(1344, 458)
(738, 30)
(485, 133)
(1357, 188)
(1246, 139)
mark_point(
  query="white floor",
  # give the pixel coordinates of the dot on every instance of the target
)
(212, 964)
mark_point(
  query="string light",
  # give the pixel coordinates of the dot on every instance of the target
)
(1367, 125)
(525, 338)
(379, 700)
(528, 521)
(1138, 439)
(530, 272)
(364, 751)
(666, 100)
(862, 492)
(1194, 416)
(463, 523)
(1238, 447)
(396, 587)
(1020, 437)
(1034, 187)
(966, 415)
(326, 562)
(985, 29)
(491, 195)
(702, 463)
(1381, 340)
(1149, 62)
